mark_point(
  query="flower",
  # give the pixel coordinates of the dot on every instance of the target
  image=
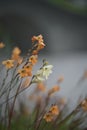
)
(48, 117)
(23, 73)
(84, 105)
(16, 55)
(34, 52)
(17, 58)
(38, 38)
(39, 42)
(33, 59)
(54, 110)
(45, 71)
(41, 86)
(16, 51)
(40, 46)
(2, 45)
(8, 64)
(53, 90)
(37, 79)
(28, 67)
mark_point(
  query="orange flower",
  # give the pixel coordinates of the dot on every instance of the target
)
(48, 117)
(2, 45)
(34, 52)
(33, 59)
(28, 68)
(8, 64)
(16, 51)
(53, 90)
(54, 110)
(23, 73)
(38, 38)
(40, 46)
(16, 55)
(39, 43)
(41, 87)
(84, 105)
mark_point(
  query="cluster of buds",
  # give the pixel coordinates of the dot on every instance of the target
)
(38, 44)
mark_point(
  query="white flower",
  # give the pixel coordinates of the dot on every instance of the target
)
(45, 71)
(37, 78)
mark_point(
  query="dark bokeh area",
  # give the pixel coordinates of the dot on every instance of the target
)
(62, 23)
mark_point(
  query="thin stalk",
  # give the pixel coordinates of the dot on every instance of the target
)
(11, 112)
(3, 82)
(15, 94)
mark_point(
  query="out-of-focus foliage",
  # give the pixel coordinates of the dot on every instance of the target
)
(70, 6)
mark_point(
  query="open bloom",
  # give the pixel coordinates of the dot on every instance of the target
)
(8, 64)
(28, 67)
(24, 73)
(37, 79)
(48, 117)
(45, 71)
(33, 59)
(54, 110)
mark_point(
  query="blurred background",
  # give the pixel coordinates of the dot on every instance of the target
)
(63, 24)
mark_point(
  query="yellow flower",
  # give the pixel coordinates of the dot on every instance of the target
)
(48, 117)
(2, 45)
(33, 59)
(54, 110)
(8, 64)
(23, 73)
